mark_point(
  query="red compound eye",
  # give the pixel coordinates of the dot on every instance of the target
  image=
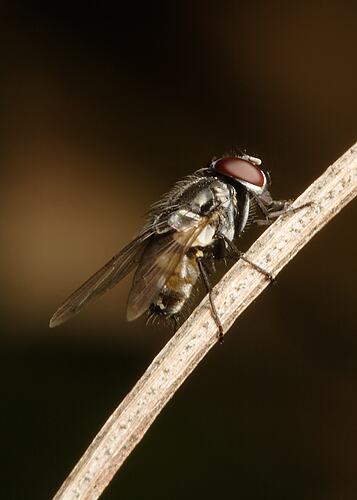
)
(241, 170)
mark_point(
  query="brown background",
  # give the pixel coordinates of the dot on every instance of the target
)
(104, 106)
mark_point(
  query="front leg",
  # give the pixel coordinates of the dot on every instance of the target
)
(272, 209)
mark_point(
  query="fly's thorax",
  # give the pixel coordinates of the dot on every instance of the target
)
(203, 201)
(199, 205)
(214, 207)
(225, 195)
(196, 208)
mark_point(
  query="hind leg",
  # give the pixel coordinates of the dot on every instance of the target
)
(210, 296)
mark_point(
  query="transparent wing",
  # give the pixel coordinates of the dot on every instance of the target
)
(158, 263)
(104, 279)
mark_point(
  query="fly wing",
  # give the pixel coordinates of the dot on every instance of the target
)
(158, 263)
(104, 279)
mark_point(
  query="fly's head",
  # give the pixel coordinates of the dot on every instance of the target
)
(244, 170)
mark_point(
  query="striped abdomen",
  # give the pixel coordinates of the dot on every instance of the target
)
(178, 288)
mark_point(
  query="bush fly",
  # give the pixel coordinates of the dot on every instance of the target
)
(196, 223)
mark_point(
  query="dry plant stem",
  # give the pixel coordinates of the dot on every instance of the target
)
(238, 288)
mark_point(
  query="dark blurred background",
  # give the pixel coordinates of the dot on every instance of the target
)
(104, 106)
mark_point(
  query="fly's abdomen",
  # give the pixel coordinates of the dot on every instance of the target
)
(178, 288)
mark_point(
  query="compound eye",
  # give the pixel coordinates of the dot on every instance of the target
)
(242, 170)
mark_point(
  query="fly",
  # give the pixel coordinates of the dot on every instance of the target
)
(192, 226)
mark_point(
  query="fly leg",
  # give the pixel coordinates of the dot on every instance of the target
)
(212, 304)
(175, 322)
(272, 209)
(240, 255)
